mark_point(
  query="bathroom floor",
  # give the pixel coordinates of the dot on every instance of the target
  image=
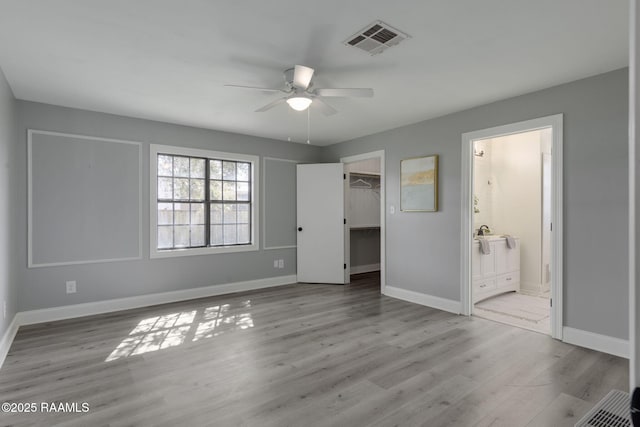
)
(524, 311)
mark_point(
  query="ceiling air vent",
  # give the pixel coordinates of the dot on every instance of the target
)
(376, 38)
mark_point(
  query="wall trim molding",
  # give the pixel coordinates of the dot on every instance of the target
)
(7, 339)
(30, 262)
(264, 201)
(443, 304)
(358, 269)
(593, 341)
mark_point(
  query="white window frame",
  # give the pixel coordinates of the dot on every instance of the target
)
(154, 150)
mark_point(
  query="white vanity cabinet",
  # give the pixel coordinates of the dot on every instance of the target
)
(496, 272)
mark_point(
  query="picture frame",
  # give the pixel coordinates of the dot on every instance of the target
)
(419, 184)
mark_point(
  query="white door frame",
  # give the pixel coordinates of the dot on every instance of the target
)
(366, 156)
(466, 236)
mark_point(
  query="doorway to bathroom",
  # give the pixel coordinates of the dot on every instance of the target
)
(511, 224)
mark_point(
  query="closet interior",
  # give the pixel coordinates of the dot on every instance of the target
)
(363, 198)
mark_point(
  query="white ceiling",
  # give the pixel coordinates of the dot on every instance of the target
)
(168, 60)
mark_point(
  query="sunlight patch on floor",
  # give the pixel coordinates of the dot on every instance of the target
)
(174, 329)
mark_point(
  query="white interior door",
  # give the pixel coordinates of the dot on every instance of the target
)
(321, 229)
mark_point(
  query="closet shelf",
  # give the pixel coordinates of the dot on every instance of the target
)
(364, 227)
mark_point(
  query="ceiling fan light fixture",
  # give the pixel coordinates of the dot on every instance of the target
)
(299, 103)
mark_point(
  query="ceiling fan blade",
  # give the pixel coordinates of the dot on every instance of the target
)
(264, 89)
(302, 76)
(326, 109)
(271, 105)
(350, 93)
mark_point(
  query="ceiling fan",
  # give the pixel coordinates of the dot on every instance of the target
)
(299, 95)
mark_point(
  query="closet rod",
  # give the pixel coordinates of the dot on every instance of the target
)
(366, 174)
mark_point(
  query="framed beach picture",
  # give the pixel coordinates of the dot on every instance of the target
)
(419, 184)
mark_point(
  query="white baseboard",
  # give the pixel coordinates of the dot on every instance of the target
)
(7, 339)
(88, 309)
(423, 299)
(358, 269)
(593, 341)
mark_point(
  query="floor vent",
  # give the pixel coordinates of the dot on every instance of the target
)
(376, 38)
(612, 411)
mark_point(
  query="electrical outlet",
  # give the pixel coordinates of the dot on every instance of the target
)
(71, 287)
(280, 263)
(275, 263)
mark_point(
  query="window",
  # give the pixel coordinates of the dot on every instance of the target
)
(204, 201)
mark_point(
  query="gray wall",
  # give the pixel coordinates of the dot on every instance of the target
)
(44, 287)
(8, 283)
(423, 252)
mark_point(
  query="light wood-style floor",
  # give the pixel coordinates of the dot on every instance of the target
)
(302, 355)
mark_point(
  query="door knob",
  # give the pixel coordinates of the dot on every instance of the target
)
(299, 228)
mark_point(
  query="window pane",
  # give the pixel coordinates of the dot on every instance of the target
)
(215, 190)
(243, 171)
(216, 213)
(229, 190)
(181, 213)
(165, 165)
(197, 235)
(165, 188)
(216, 235)
(243, 191)
(165, 237)
(229, 171)
(243, 213)
(183, 200)
(181, 166)
(181, 236)
(243, 233)
(215, 169)
(197, 189)
(230, 235)
(181, 189)
(197, 168)
(230, 213)
(165, 213)
(197, 213)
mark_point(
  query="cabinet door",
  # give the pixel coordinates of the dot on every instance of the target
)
(512, 257)
(507, 259)
(488, 262)
(502, 257)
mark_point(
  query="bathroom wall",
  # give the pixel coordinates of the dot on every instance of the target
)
(516, 165)
(508, 186)
(483, 212)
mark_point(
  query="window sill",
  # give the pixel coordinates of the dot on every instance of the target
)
(155, 254)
